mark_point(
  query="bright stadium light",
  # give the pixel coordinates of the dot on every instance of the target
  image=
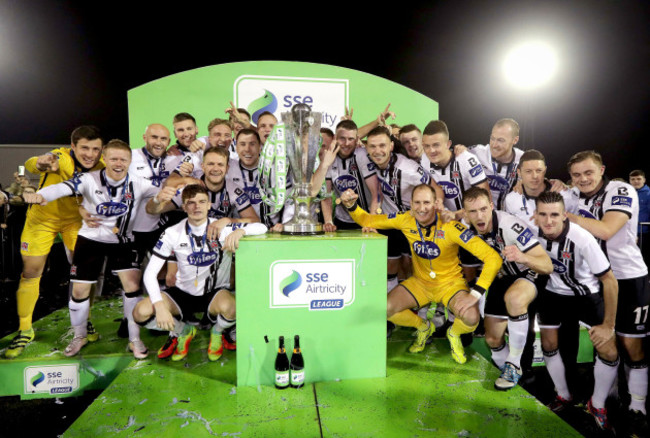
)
(530, 65)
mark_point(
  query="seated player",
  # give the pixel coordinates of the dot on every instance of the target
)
(574, 292)
(437, 274)
(202, 279)
(522, 277)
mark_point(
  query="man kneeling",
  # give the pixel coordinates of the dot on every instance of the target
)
(202, 279)
(437, 274)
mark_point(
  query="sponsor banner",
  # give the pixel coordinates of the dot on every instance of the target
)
(314, 284)
(51, 379)
(277, 94)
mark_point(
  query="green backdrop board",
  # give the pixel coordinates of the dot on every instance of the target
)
(273, 86)
(329, 289)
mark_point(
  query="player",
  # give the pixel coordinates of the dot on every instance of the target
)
(455, 174)
(202, 279)
(500, 159)
(573, 292)
(610, 211)
(397, 176)
(113, 195)
(351, 170)
(436, 272)
(522, 277)
(43, 223)
(532, 172)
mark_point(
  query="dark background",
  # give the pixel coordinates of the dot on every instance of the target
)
(67, 63)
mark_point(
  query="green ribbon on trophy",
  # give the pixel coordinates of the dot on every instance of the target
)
(274, 169)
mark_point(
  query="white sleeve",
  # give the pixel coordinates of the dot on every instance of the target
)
(594, 255)
(622, 198)
(253, 229)
(56, 191)
(150, 278)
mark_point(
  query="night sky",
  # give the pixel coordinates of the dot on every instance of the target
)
(63, 64)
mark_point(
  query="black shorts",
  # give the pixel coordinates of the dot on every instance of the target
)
(495, 304)
(553, 309)
(188, 304)
(398, 244)
(633, 307)
(144, 241)
(88, 259)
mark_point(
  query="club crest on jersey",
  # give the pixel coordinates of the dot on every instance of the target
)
(455, 174)
(112, 209)
(214, 244)
(128, 196)
(353, 168)
(201, 258)
(426, 250)
(440, 234)
(73, 270)
(345, 182)
(24, 246)
(558, 267)
(500, 241)
(394, 182)
(566, 255)
(451, 190)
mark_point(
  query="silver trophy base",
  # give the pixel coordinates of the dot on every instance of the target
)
(303, 229)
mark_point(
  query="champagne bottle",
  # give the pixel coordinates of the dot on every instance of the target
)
(297, 365)
(282, 367)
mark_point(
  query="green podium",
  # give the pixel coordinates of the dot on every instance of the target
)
(328, 289)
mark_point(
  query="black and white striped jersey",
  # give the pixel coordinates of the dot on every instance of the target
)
(461, 173)
(502, 177)
(397, 182)
(157, 170)
(506, 230)
(114, 202)
(351, 173)
(577, 260)
(249, 181)
(523, 205)
(621, 249)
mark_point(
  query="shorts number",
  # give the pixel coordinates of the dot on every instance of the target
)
(641, 315)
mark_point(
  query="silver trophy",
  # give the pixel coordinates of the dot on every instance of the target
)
(302, 131)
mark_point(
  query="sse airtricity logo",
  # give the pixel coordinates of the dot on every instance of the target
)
(267, 102)
(291, 283)
(38, 378)
(51, 379)
(314, 284)
(277, 94)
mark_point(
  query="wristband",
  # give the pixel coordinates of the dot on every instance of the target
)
(353, 207)
(156, 200)
(476, 294)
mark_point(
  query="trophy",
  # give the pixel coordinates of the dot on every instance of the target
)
(298, 140)
(302, 135)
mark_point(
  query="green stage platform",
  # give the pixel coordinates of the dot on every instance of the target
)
(422, 395)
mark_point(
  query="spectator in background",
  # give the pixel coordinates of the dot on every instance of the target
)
(637, 180)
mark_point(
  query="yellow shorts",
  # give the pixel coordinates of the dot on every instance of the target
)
(38, 235)
(426, 292)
